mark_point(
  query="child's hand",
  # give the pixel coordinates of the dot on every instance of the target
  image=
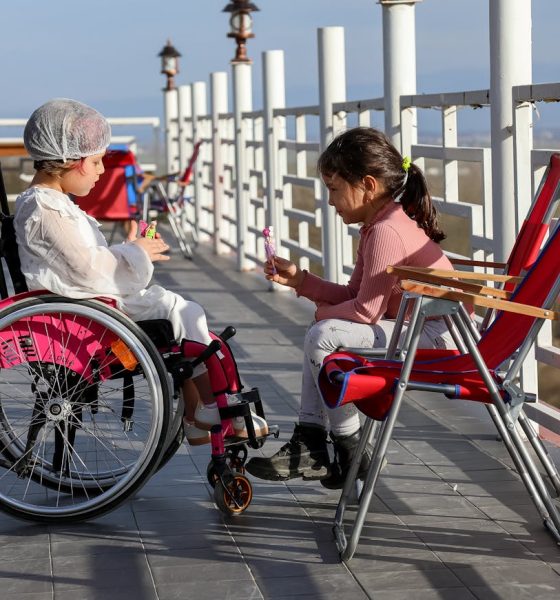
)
(132, 231)
(287, 272)
(154, 247)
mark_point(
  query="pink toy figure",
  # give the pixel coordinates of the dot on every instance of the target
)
(146, 230)
(269, 247)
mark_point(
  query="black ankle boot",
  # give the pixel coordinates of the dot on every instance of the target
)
(344, 450)
(305, 455)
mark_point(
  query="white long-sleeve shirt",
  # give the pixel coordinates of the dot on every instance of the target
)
(61, 249)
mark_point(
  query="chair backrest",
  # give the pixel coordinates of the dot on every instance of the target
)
(187, 174)
(539, 288)
(531, 235)
(8, 248)
(115, 196)
(534, 228)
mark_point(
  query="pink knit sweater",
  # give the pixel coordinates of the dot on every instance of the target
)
(392, 238)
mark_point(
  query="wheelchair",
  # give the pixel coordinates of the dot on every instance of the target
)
(90, 404)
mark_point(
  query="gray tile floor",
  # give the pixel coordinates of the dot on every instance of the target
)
(450, 520)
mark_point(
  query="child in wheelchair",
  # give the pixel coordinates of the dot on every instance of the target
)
(61, 249)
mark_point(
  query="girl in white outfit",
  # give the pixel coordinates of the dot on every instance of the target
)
(62, 249)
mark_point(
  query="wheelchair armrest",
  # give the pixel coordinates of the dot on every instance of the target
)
(149, 178)
(478, 300)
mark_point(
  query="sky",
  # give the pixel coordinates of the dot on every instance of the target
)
(104, 52)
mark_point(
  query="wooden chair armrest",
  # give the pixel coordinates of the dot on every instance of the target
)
(468, 262)
(149, 178)
(473, 288)
(477, 300)
(415, 271)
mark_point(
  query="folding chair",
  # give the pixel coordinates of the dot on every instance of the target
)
(473, 372)
(116, 195)
(523, 254)
(157, 197)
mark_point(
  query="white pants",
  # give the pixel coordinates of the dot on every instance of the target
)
(325, 337)
(187, 318)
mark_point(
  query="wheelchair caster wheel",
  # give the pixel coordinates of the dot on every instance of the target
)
(212, 474)
(234, 497)
(235, 465)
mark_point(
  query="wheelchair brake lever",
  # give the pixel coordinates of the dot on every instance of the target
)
(212, 348)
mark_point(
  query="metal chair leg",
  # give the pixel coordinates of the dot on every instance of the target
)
(346, 547)
(506, 427)
(540, 451)
(368, 431)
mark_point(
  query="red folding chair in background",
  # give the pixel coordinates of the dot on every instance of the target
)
(174, 207)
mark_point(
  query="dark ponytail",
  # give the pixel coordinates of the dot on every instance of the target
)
(417, 204)
(364, 151)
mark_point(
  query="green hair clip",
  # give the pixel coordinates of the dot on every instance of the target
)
(406, 163)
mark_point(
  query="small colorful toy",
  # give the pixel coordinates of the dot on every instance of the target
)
(146, 230)
(269, 248)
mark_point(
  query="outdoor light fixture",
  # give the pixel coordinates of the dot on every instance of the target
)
(169, 63)
(241, 24)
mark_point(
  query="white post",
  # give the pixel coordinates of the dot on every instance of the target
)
(399, 68)
(242, 102)
(510, 65)
(170, 118)
(219, 102)
(332, 88)
(274, 97)
(199, 109)
(184, 118)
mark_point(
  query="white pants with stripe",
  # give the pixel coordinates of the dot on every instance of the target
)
(325, 337)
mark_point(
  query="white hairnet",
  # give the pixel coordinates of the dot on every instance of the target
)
(63, 129)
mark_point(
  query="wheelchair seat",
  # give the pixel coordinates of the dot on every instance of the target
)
(9, 251)
(160, 333)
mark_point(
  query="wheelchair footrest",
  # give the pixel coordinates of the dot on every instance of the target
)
(247, 401)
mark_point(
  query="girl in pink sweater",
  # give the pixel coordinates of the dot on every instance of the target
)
(369, 182)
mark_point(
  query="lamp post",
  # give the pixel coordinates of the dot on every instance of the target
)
(241, 24)
(240, 29)
(169, 63)
(170, 67)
